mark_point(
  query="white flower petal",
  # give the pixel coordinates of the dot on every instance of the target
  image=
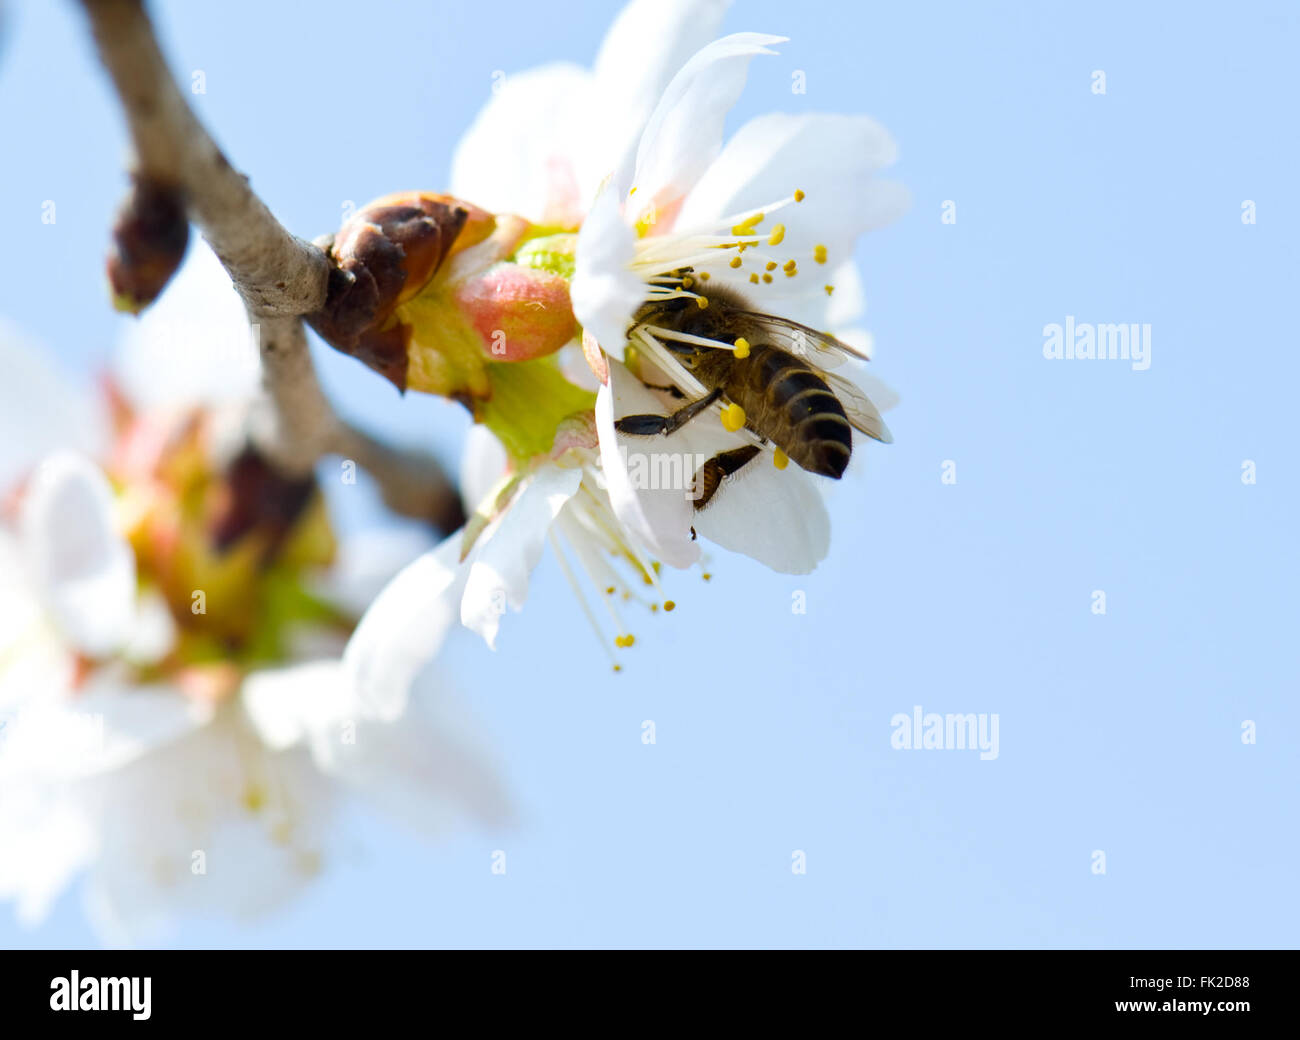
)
(421, 768)
(776, 517)
(831, 158)
(521, 154)
(193, 345)
(404, 629)
(684, 133)
(41, 410)
(661, 517)
(605, 291)
(431, 768)
(103, 725)
(259, 820)
(849, 301)
(647, 44)
(46, 842)
(83, 570)
(288, 705)
(153, 634)
(368, 560)
(482, 464)
(506, 553)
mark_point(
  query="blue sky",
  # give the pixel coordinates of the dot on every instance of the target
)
(1117, 732)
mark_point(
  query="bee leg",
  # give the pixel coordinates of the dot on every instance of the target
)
(675, 391)
(722, 465)
(652, 425)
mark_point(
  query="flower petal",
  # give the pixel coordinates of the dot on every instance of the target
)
(646, 45)
(660, 517)
(367, 560)
(41, 410)
(404, 629)
(521, 153)
(194, 345)
(419, 768)
(831, 158)
(261, 821)
(605, 291)
(684, 133)
(83, 570)
(482, 464)
(506, 553)
(776, 517)
(47, 842)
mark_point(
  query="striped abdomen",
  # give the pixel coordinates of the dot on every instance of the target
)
(786, 401)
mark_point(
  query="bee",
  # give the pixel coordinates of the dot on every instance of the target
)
(782, 384)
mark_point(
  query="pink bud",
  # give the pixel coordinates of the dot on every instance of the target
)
(519, 313)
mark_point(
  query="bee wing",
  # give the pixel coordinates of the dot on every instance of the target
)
(811, 345)
(863, 415)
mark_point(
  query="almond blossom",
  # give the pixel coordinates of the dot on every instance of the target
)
(178, 724)
(761, 217)
(631, 156)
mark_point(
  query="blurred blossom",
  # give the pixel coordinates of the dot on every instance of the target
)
(178, 724)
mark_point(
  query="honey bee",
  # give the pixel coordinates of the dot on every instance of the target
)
(788, 397)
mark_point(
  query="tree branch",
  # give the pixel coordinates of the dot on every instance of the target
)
(279, 276)
(274, 271)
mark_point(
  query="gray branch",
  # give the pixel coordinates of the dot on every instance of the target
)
(279, 276)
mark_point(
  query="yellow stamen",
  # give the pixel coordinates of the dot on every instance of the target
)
(746, 226)
(706, 575)
(735, 261)
(687, 282)
(704, 276)
(733, 418)
(753, 277)
(819, 254)
(632, 192)
(780, 459)
(771, 265)
(788, 266)
(829, 289)
(609, 591)
(767, 278)
(799, 196)
(742, 348)
(777, 236)
(702, 302)
(669, 605)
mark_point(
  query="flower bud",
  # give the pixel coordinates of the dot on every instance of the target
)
(519, 313)
(149, 240)
(383, 256)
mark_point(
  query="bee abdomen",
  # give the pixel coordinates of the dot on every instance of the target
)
(816, 431)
